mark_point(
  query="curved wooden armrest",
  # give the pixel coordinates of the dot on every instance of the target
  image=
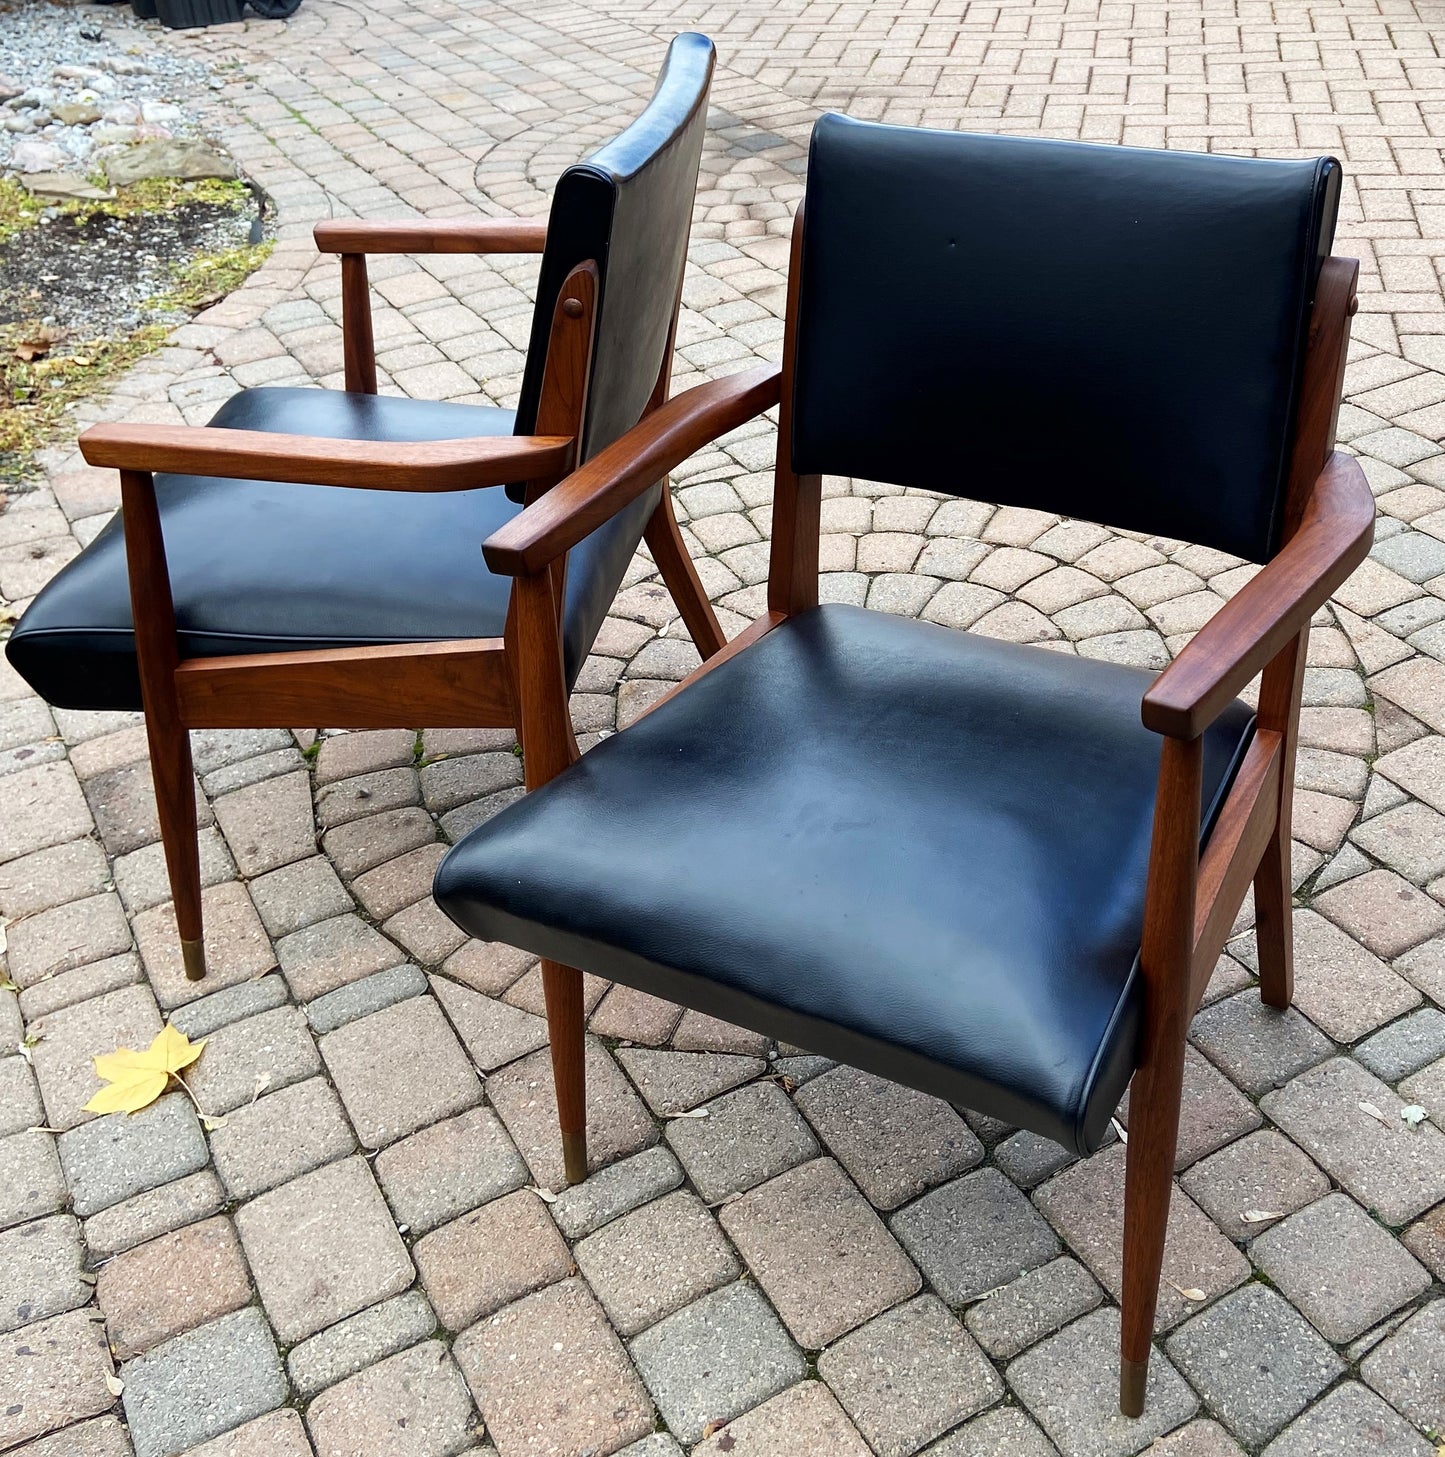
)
(619, 474)
(432, 235)
(433, 465)
(1254, 625)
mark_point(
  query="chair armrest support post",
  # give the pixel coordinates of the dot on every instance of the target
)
(432, 235)
(576, 506)
(1251, 629)
(435, 465)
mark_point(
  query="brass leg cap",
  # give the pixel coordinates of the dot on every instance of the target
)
(574, 1156)
(1133, 1377)
(193, 956)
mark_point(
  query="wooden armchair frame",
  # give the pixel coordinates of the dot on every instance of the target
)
(472, 683)
(1191, 900)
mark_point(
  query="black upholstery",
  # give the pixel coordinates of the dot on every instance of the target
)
(914, 849)
(258, 566)
(1106, 332)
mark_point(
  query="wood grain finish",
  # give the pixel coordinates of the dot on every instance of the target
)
(358, 345)
(432, 235)
(619, 474)
(154, 616)
(797, 500)
(456, 684)
(1333, 538)
(433, 465)
(1165, 961)
(1243, 829)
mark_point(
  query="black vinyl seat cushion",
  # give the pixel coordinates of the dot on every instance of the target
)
(917, 850)
(264, 566)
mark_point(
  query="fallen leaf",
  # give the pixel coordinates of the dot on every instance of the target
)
(1374, 1113)
(114, 1385)
(1260, 1216)
(136, 1079)
(714, 1427)
(1120, 1130)
(1414, 1115)
(545, 1195)
(1188, 1292)
(726, 1442)
(691, 1113)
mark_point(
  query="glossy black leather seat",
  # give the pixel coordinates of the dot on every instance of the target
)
(875, 838)
(262, 567)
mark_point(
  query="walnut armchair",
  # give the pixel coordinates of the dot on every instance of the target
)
(313, 557)
(999, 874)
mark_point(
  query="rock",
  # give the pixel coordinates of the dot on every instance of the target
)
(76, 73)
(149, 132)
(76, 113)
(64, 185)
(125, 66)
(113, 136)
(186, 160)
(33, 155)
(20, 122)
(122, 113)
(160, 113)
(8, 89)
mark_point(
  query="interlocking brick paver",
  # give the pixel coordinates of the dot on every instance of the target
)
(1212, 1113)
(333, 953)
(1385, 1165)
(175, 1283)
(152, 1214)
(655, 1260)
(486, 1259)
(894, 1142)
(715, 1359)
(822, 1255)
(322, 1247)
(111, 1158)
(1256, 1046)
(52, 1373)
(524, 1096)
(1334, 1263)
(674, 1082)
(1405, 1046)
(1086, 1205)
(202, 1384)
(1201, 1438)
(1012, 1318)
(806, 1417)
(1004, 1429)
(1351, 1419)
(374, 1063)
(1070, 1385)
(247, 1058)
(1259, 1175)
(1408, 1370)
(909, 1376)
(279, 1137)
(747, 1137)
(237, 948)
(414, 1402)
(552, 1362)
(359, 1341)
(1255, 1361)
(103, 1437)
(492, 1032)
(40, 1271)
(277, 1434)
(974, 1235)
(221, 1009)
(1339, 985)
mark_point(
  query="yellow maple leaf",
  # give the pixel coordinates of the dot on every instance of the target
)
(134, 1080)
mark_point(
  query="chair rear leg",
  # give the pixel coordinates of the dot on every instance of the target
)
(562, 987)
(175, 785)
(1274, 921)
(1153, 1140)
(679, 575)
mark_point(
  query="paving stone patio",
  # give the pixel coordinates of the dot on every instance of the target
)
(368, 1254)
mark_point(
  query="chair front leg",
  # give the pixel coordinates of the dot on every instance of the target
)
(534, 642)
(157, 656)
(1279, 706)
(1154, 1098)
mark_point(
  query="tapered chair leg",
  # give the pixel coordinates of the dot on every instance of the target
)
(1274, 923)
(170, 747)
(562, 987)
(679, 576)
(1153, 1138)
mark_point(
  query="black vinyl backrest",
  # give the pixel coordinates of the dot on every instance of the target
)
(628, 208)
(1104, 332)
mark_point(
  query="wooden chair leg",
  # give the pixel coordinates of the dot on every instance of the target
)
(1149, 1181)
(679, 575)
(562, 987)
(1274, 922)
(170, 747)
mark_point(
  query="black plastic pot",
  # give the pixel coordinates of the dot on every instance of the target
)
(188, 14)
(146, 9)
(275, 9)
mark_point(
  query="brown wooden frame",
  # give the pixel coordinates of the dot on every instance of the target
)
(1191, 900)
(470, 684)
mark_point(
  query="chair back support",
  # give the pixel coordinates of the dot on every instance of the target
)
(628, 208)
(1104, 332)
